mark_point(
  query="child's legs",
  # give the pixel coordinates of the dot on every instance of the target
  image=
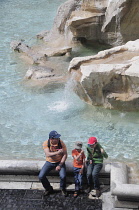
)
(95, 174)
(80, 178)
(76, 178)
(89, 173)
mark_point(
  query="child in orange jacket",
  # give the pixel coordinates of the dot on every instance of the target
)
(78, 167)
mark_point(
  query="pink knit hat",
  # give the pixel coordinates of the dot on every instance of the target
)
(92, 140)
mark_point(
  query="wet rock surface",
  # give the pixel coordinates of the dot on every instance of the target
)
(34, 199)
(39, 72)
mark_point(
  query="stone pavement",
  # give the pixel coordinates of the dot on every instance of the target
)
(21, 199)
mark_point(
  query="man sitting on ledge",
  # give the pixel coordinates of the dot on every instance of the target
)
(56, 155)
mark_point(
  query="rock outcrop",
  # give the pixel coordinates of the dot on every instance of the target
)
(60, 34)
(34, 56)
(111, 22)
(39, 72)
(110, 78)
(87, 22)
(37, 55)
(121, 21)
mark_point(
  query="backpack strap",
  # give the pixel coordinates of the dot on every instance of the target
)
(59, 144)
(90, 153)
(49, 143)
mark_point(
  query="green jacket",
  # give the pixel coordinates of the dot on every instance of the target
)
(95, 154)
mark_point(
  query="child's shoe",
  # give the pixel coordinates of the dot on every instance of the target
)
(76, 193)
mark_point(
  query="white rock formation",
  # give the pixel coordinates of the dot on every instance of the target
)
(59, 32)
(110, 78)
(39, 72)
(121, 21)
(111, 22)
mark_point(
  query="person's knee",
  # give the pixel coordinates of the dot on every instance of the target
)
(89, 175)
(62, 176)
(41, 176)
(95, 175)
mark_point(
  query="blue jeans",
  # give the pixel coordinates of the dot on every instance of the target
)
(45, 171)
(78, 178)
(93, 173)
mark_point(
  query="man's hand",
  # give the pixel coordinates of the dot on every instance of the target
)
(60, 151)
(58, 168)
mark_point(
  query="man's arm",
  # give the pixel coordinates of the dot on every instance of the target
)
(50, 154)
(63, 158)
(62, 161)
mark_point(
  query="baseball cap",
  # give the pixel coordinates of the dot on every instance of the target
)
(78, 145)
(92, 140)
(54, 135)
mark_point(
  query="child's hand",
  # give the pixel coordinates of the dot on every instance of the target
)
(102, 150)
(81, 171)
(91, 161)
(82, 152)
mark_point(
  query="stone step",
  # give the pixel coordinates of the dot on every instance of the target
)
(54, 179)
(30, 185)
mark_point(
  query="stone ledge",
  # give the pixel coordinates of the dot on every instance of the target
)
(125, 205)
(32, 167)
(31, 185)
(123, 192)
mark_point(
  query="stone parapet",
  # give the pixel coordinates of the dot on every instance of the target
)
(125, 194)
(32, 167)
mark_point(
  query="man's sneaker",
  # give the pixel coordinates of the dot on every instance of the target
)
(48, 192)
(98, 193)
(64, 192)
(93, 193)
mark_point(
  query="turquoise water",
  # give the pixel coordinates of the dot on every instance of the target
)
(27, 115)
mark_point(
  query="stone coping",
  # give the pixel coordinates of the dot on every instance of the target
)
(119, 183)
(32, 167)
(117, 172)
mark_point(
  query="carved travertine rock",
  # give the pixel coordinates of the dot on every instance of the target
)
(121, 21)
(39, 72)
(112, 22)
(57, 36)
(110, 78)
